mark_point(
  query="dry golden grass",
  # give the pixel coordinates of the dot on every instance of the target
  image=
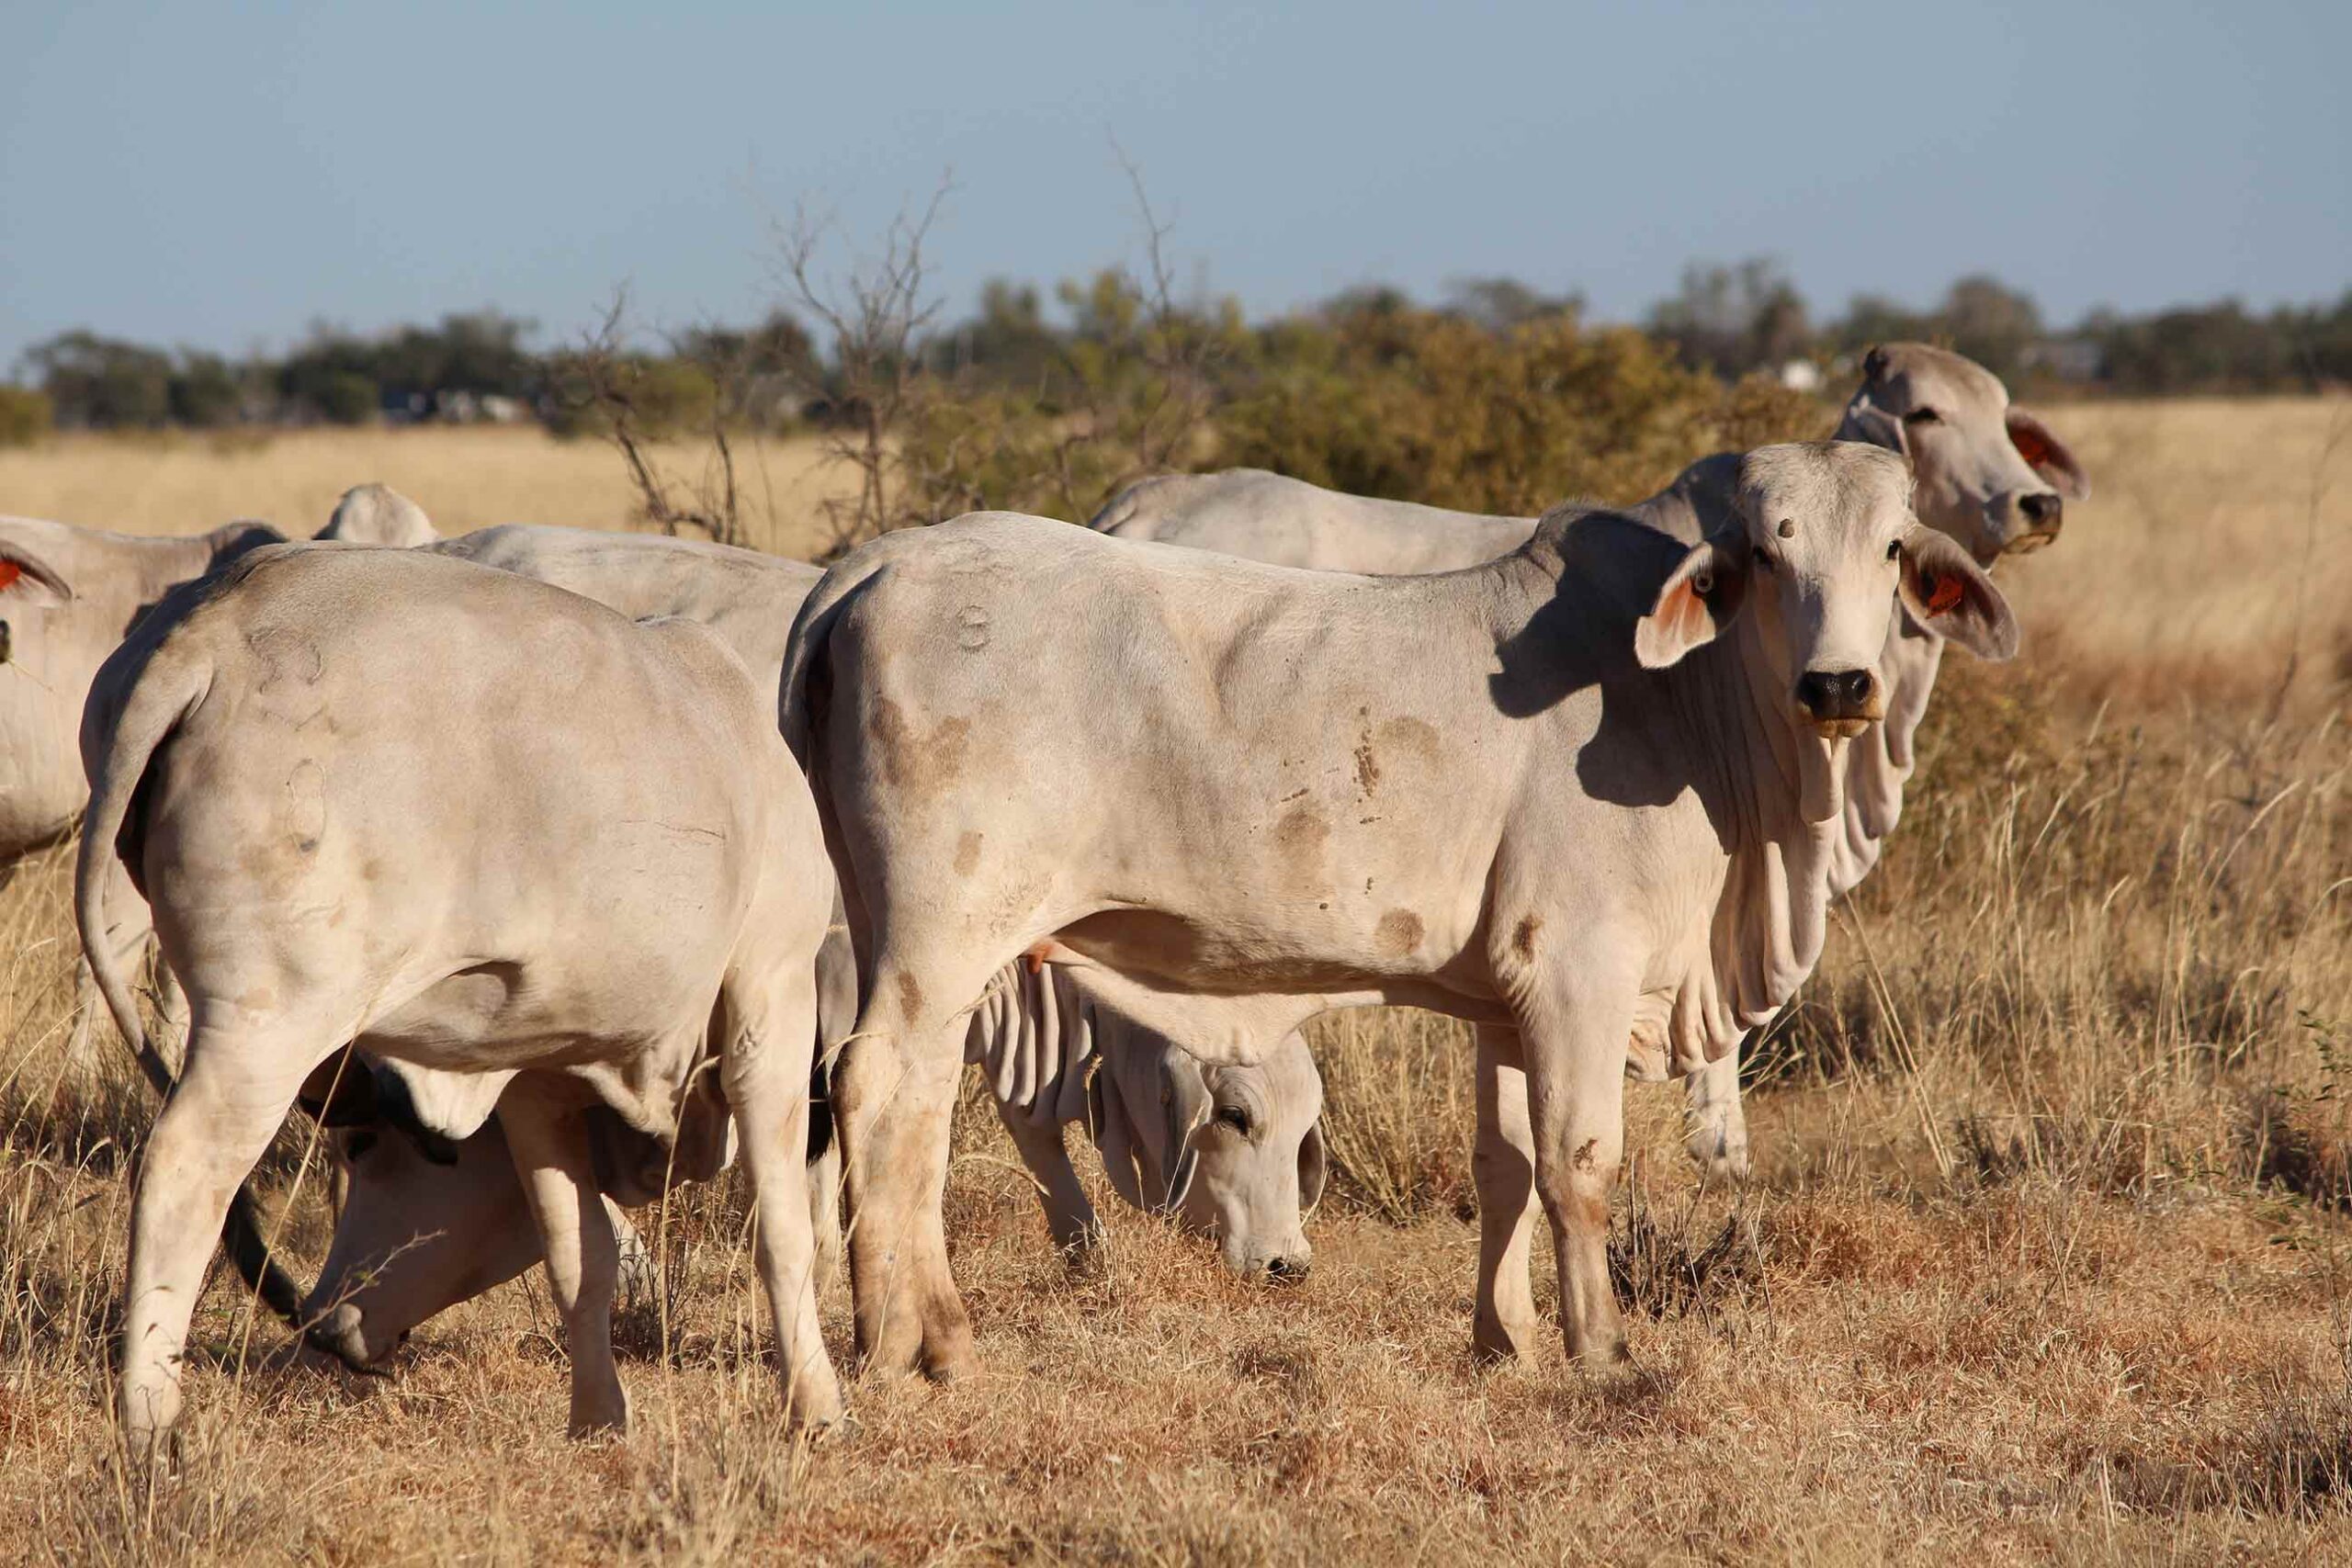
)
(464, 478)
(2046, 1258)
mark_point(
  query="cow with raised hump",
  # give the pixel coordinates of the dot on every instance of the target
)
(1589, 791)
(464, 820)
(1988, 474)
(379, 514)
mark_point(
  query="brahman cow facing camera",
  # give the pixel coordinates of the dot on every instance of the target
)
(1588, 792)
(469, 822)
(1989, 475)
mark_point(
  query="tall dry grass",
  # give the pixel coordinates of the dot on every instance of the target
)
(2046, 1258)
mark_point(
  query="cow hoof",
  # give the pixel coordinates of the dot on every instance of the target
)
(1493, 1345)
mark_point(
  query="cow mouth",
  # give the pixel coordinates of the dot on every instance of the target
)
(1840, 729)
(2026, 544)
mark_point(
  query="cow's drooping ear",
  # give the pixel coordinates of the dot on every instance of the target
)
(2048, 456)
(1698, 602)
(1313, 1169)
(26, 578)
(1948, 593)
(340, 1092)
(1186, 1104)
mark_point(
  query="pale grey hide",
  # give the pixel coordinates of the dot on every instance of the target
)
(1991, 476)
(1590, 791)
(67, 596)
(379, 514)
(463, 820)
(1236, 1153)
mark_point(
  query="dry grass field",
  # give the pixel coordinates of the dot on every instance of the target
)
(465, 478)
(2047, 1255)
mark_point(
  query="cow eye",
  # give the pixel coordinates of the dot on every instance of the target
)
(1922, 416)
(1763, 560)
(1893, 548)
(1235, 1117)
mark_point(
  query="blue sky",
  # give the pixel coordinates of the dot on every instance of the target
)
(220, 178)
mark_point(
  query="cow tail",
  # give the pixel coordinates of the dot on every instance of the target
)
(165, 692)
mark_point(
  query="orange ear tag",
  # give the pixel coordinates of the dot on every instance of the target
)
(1944, 595)
(9, 572)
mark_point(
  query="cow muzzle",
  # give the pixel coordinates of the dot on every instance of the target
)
(1839, 702)
(342, 1334)
(2033, 523)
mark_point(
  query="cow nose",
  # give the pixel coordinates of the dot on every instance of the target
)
(1287, 1270)
(1831, 696)
(2044, 512)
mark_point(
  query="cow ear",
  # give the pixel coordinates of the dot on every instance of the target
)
(1313, 1169)
(1948, 593)
(1185, 1103)
(26, 578)
(2048, 456)
(1698, 601)
(340, 1092)
(1869, 420)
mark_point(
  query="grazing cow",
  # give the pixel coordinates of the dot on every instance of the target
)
(1991, 476)
(1236, 1153)
(1589, 791)
(469, 822)
(379, 514)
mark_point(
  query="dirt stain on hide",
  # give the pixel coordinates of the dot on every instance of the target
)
(1299, 837)
(968, 853)
(910, 995)
(1367, 767)
(1583, 1159)
(1398, 933)
(919, 764)
(1522, 938)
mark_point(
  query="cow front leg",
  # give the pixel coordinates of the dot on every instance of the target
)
(1575, 1039)
(550, 1149)
(1502, 1162)
(766, 1047)
(894, 1093)
(227, 1106)
(1070, 1215)
(1714, 1124)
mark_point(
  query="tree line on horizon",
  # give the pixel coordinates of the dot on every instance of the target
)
(1724, 320)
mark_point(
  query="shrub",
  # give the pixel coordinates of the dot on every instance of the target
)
(1418, 405)
(26, 416)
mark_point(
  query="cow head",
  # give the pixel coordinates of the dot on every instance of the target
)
(1991, 476)
(1236, 1153)
(414, 1237)
(1821, 545)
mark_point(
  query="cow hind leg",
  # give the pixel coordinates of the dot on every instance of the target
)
(893, 1094)
(766, 1042)
(1503, 1165)
(234, 1095)
(551, 1148)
